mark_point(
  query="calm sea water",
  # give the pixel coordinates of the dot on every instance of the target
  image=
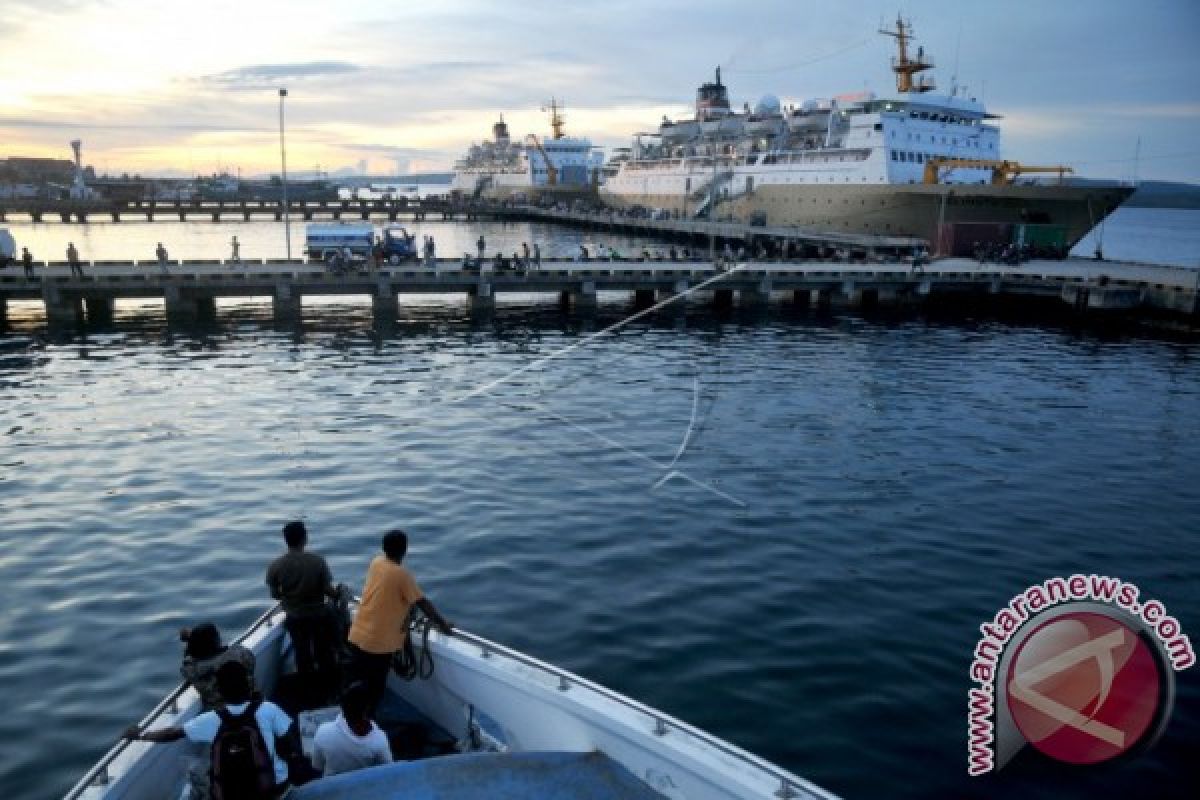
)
(868, 492)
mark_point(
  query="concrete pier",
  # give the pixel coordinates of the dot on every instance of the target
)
(190, 290)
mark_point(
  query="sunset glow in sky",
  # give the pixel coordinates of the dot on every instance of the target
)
(178, 88)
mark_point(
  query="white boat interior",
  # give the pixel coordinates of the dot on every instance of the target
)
(487, 722)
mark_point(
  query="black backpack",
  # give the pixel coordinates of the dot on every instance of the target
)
(242, 766)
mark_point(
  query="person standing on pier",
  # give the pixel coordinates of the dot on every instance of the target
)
(381, 626)
(525, 252)
(73, 260)
(161, 252)
(301, 581)
(537, 255)
(27, 262)
(236, 247)
(481, 246)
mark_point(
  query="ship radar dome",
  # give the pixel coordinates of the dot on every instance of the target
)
(768, 106)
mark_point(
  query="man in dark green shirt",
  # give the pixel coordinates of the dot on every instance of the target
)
(301, 581)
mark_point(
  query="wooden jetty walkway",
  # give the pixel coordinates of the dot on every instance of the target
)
(190, 289)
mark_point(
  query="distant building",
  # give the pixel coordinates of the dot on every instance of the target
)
(37, 170)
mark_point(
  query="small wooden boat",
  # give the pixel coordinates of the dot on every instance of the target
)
(505, 725)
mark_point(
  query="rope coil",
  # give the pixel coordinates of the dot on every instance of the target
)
(406, 663)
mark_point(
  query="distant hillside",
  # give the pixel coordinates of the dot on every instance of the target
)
(1164, 194)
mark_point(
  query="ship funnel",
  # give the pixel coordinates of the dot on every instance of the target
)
(712, 99)
(500, 130)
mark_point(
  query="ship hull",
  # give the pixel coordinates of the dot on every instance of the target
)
(903, 209)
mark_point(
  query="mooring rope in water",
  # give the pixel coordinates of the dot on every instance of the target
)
(557, 354)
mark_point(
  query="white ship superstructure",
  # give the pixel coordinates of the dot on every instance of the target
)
(856, 162)
(502, 167)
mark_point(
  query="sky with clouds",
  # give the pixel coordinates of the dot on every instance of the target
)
(169, 87)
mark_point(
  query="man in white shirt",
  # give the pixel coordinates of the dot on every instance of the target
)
(233, 684)
(352, 741)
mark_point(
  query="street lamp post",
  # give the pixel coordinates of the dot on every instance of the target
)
(287, 222)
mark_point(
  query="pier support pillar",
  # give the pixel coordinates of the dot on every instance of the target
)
(385, 303)
(206, 308)
(480, 297)
(583, 298)
(285, 303)
(818, 298)
(924, 288)
(3, 312)
(680, 287)
(186, 307)
(62, 309)
(98, 309)
(849, 295)
(755, 296)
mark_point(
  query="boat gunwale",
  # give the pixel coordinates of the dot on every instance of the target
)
(88, 781)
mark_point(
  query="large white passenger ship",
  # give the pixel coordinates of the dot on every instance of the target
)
(502, 167)
(857, 163)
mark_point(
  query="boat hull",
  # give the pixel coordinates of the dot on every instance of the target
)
(902, 209)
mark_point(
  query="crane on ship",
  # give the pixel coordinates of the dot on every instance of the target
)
(1004, 173)
(556, 125)
(551, 170)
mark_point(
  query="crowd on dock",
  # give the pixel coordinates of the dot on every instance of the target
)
(254, 743)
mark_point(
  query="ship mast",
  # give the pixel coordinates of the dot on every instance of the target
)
(906, 66)
(556, 119)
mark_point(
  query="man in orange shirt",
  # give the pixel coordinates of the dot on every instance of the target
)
(378, 630)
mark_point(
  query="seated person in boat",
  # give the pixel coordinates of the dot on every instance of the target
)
(352, 741)
(203, 655)
(231, 729)
(379, 628)
(301, 581)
